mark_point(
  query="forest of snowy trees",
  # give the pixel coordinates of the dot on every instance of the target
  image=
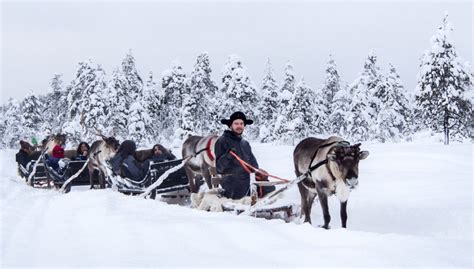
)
(147, 109)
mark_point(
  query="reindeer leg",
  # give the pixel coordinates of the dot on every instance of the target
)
(190, 176)
(307, 199)
(102, 179)
(323, 199)
(91, 177)
(207, 177)
(344, 214)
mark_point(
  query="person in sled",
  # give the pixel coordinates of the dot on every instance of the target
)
(161, 154)
(125, 164)
(23, 156)
(82, 151)
(236, 180)
(57, 155)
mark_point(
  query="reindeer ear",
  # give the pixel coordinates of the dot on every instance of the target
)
(332, 157)
(363, 154)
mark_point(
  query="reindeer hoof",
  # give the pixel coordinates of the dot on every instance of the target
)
(325, 226)
(91, 188)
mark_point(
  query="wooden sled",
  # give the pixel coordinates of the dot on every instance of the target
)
(174, 182)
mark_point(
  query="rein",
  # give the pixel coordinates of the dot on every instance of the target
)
(247, 168)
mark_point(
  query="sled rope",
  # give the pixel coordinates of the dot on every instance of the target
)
(63, 188)
(247, 167)
(164, 176)
(273, 196)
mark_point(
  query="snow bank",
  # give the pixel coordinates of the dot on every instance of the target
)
(413, 207)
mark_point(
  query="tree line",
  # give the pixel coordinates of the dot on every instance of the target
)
(375, 106)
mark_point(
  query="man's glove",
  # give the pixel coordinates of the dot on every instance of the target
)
(261, 176)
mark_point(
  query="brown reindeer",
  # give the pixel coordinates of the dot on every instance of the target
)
(333, 168)
(100, 152)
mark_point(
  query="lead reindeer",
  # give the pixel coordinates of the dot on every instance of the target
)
(332, 167)
(100, 152)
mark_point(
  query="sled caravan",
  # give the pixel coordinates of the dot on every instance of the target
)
(323, 167)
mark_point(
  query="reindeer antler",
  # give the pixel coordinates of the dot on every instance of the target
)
(99, 132)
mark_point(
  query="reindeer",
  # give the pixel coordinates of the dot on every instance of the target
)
(203, 164)
(332, 167)
(100, 152)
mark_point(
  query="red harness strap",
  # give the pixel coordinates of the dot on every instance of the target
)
(208, 149)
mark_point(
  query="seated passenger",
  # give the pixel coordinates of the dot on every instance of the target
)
(161, 154)
(125, 164)
(23, 156)
(82, 151)
(58, 154)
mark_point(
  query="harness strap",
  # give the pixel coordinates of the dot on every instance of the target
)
(314, 167)
(208, 149)
(199, 152)
(96, 153)
(316, 152)
(330, 173)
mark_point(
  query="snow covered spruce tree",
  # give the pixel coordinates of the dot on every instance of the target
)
(13, 127)
(443, 86)
(338, 119)
(201, 112)
(88, 77)
(331, 86)
(94, 115)
(239, 93)
(118, 105)
(55, 106)
(286, 92)
(188, 115)
(269, 104)
(31, 119)
(332, 80)
(173, 83)
(367, 90)
(134, 86)
(152, 99)
(394, 117)
(301, 114)
(139, 124)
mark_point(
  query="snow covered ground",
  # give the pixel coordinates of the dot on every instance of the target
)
(413, 207)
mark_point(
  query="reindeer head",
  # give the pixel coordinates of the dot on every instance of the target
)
(344, 162)
(59, 139)
(111, 143)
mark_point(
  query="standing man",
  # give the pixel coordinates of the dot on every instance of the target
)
(235, 181)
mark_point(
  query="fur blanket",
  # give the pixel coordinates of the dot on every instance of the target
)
(210, 201)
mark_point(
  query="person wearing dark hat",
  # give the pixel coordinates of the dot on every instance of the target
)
(235, 180)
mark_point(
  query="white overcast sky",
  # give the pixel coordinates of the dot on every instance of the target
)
(42, 38)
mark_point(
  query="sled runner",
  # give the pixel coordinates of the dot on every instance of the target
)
(59, 177)
(38, 177)
(176, 180)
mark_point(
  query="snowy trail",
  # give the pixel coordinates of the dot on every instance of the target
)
(428, 224)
